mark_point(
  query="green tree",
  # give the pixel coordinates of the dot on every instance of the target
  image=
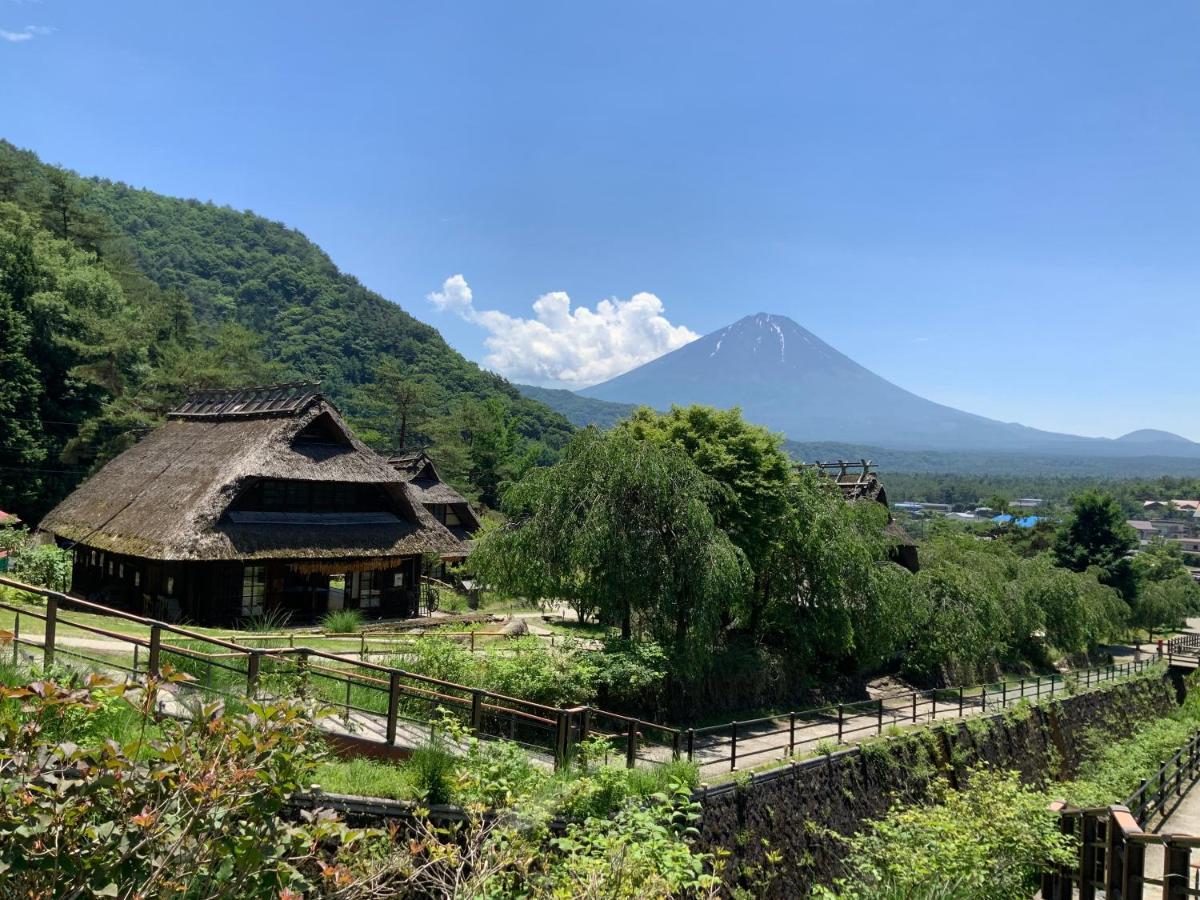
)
(1165, 604)
(621, 528)
(830, 596)
(749, 461)
(1095, 534)
(395, 404)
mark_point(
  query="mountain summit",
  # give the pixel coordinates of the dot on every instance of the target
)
(785, 377)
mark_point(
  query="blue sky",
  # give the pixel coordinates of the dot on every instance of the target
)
(995, 205)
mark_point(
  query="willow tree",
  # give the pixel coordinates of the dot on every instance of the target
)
(621, 529)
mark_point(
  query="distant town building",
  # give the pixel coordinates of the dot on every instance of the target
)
(1145, 530)
(1183, 506)
(1189, 544)
(1026, 503)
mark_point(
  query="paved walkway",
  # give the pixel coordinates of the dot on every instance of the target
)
(769, 741)
(757, 744)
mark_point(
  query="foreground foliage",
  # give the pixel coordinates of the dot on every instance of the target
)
(986, 842)
(99, 798)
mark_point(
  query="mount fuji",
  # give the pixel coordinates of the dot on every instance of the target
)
(784, 377)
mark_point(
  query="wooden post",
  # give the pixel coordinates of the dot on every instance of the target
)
(733, 747)
(1114, 859)
(51, 623)
(691, 744)
(841, 722)
(560, 739)
(631, 745)
(791, 734)
(914, 707)
(476, 710)
(253, 662)
(1004, 695)
(16, 638)
(1037, 691)
(152, 664)
(585, 724)
(136, 648)
(1134, 873)
(1087, 858)
(393, 707)
(676, 739)
(472, 641)
(362, 647)
(879, 730)
(960, 701)
(1175, 871)
(933, 710)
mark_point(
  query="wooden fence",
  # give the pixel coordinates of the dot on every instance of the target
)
(1113, 843)
(392, 643)
(372, 698)
(390, 704)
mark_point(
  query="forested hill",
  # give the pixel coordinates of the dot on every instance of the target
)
(202, 295)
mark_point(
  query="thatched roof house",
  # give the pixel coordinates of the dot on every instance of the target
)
(858, 481)
(426, 487)
(246, 501)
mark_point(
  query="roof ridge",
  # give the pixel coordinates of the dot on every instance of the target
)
(284, 399)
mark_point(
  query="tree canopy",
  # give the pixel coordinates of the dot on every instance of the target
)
(1095, 534)
(118, 301)
(622, 529)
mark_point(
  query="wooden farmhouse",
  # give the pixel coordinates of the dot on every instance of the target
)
(857, 481)
(248, 502)
(442, 501)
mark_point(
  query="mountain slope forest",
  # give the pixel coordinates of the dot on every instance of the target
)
(117, 301)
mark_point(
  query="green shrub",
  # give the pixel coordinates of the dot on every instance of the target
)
(267, 622)
(343, 621)
(553, 676)
(990, 840)
(438, 657)
(133, 819)
(497, 774)
(432, 769)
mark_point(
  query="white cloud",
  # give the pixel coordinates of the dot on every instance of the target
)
(28, 33)
(560, 345)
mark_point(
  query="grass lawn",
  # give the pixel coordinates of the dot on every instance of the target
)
(367, 778)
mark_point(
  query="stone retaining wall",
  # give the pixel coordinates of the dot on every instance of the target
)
(791, 812)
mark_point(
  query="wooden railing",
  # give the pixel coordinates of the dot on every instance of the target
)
(753, 741)
(1113, 842)
(370, 696)
(391, 643)
(379, 698)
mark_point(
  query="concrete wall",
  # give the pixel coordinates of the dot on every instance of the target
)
(790, 811)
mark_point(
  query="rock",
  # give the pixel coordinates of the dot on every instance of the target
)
(516, 628)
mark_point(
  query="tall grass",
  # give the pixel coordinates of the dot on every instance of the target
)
(343, 621)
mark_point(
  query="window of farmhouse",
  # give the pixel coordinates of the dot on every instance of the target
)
(254, 588)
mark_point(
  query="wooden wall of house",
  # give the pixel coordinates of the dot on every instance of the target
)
(210, 593)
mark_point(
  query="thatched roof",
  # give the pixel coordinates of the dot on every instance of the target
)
(167, 496)
(425, 486)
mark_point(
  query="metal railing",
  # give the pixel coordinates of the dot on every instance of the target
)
(1112, 841)
(753, 741)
